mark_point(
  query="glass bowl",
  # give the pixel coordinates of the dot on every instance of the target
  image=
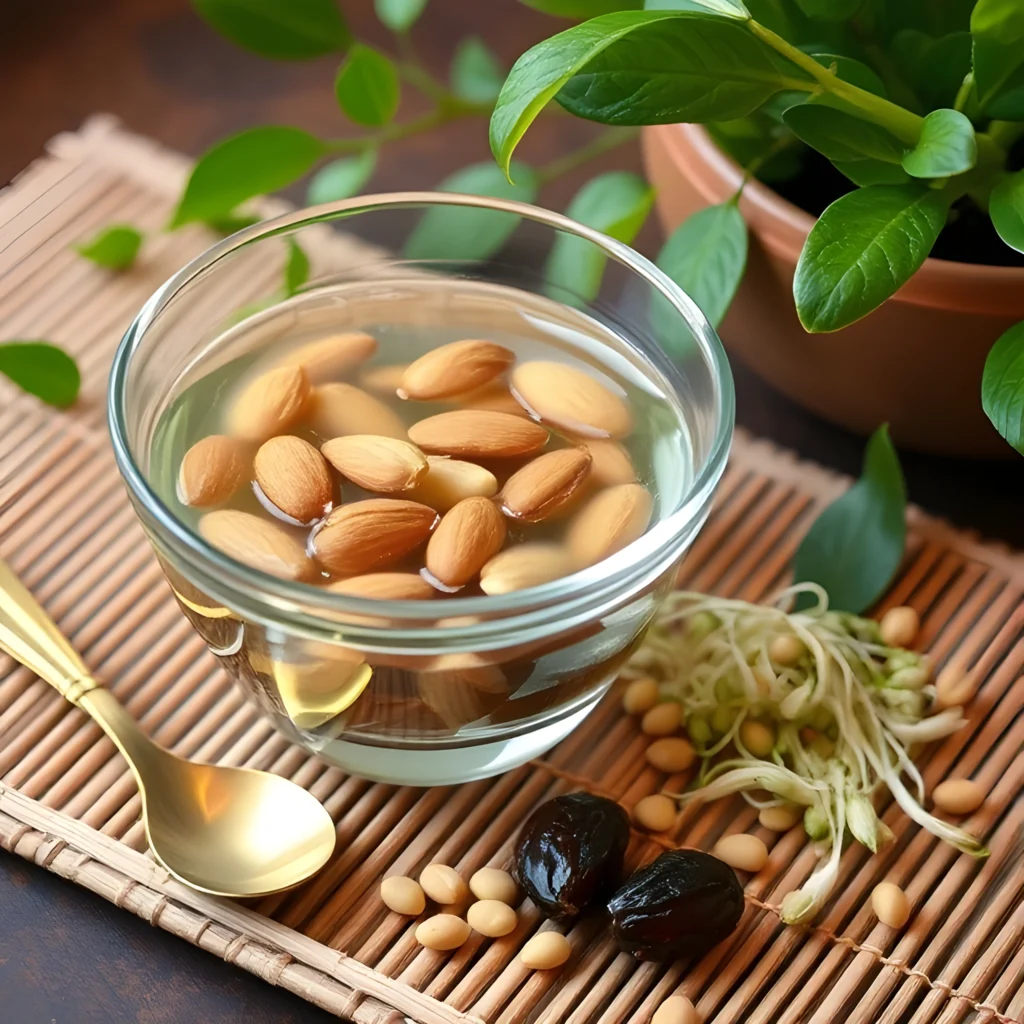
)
(423, 692)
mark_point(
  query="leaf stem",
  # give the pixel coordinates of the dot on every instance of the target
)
(1005, 133)
(780, 145)
(606, 141)
(394, 132)
(964, 92)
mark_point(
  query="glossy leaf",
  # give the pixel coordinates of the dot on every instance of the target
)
(855, 546)
(115, 247)
(842, 136)
(616, 203)
(933, 68)
(249, 164)
(862, 249)
(296, 268)
(42, 370)
(281, 29)
(706, 256)
(1006, 208)
(730, 8)
(367, 87)
(582, 9)
(1002, 386)
(997, 27)
(341, 179)
(829, 10)
(399, 15)
(476, 74)
(641, 67)
(872, 172)
(947, 146)
(454, 233)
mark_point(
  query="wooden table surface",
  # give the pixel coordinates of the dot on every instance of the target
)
(66, 956)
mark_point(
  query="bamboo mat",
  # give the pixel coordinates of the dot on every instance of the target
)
(68, 803)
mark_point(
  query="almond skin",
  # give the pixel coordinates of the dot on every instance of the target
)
(493, 398)
(609, 464)
(455, 368)
(571, 399)
(527, 565)
(478, 434)
(342, 409)
(212, 470)
(271, 404)
(367, 535)
(465, 539)
(384, 380)
(448, 481)
(613, 518)
(294, 476)
(386, 586)
(383, 464)
(545, 484)
(257, 542)
(330, 358)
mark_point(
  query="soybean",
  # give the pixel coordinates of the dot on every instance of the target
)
(442, 932)
(890, 904)
(656, 813)
(662, 719)
(899, 626)
(671, 754)
(675, 1010)
(492, 918)
(494, 884)
(781, 818)
(544, 951)
(640, 696)
(741, 851)
(954, 688)
(786, 649)
(958, 796)
(757, 737)
(403, 895)
(443, 884)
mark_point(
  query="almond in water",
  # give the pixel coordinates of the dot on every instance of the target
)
(449, 481)
(271, 404)
(294, 477)
(383, 380)
(527, 565)
(212, 470)
(330, 358)
(473, 433)
(386, 586)
(467, 537)
(609, 464)
(545, 484)
(613, 518)
(454, 369)
(258, 542)
(491, 398)
(341, 409)
(377, 463)
(571, 399)
(366, 535)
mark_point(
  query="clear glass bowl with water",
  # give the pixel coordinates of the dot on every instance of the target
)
(442, 691)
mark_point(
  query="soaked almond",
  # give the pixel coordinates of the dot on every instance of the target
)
(212, 470)
(371, 534)
(271, 404)
(384, 464)
(449, 481)
(491, 398)
(613, 518)
(472, 433)
(294, 477)
(545, 484)
(527, 565)
(328, 359)
(383, 380)
(571, 399)
(454, 369)
(609, 464)
(257, 542)
(342, 409)
(386, 586)
(465, 539)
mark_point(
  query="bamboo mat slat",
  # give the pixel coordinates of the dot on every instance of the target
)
(67, 801)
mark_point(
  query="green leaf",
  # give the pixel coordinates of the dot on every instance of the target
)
(872, 172)
(399, 15)
(341, 179)
(730, 8)
(638, 67)
(947, 146)
(616, 203)
(933, 68)
(852, 71)
(230, 223)
(1006, 208)
(296, 268)
(862, 249)
(476, 74)
(842, 136)
(249, 164)
(115, 247)
(706, 256)
(367, 87)
(465, 233)
(855, 546)
(582, 9)
(997, 27)
(42, 370)
(1002, 386)
(281, 29)
(829, 10)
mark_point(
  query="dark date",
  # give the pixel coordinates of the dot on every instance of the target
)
(681, 904)
(570, 851)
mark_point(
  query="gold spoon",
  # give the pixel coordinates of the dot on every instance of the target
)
(225, 831)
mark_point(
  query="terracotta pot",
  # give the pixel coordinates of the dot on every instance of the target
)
(915, 362)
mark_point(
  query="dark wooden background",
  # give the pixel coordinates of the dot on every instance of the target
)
(66, 956)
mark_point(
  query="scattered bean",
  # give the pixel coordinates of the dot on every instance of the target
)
(781, 818)
(722, 718)
(662, 719)
(675, 1010)
(899, 626)
(958, 796)
(741, 851)
(544, 951)
(656, 813)
(403, 895)
(954, 688)
(443, 884)
(698, 729)
(671, 754)
(890, 904)
(442, 931)
(786, 649)
(757, 738)
(494, 884)
(640, 696)
(492, 918)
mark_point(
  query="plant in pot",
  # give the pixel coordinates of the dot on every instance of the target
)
(898, 122)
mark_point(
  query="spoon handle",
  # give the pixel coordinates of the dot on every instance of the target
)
(30, 636)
